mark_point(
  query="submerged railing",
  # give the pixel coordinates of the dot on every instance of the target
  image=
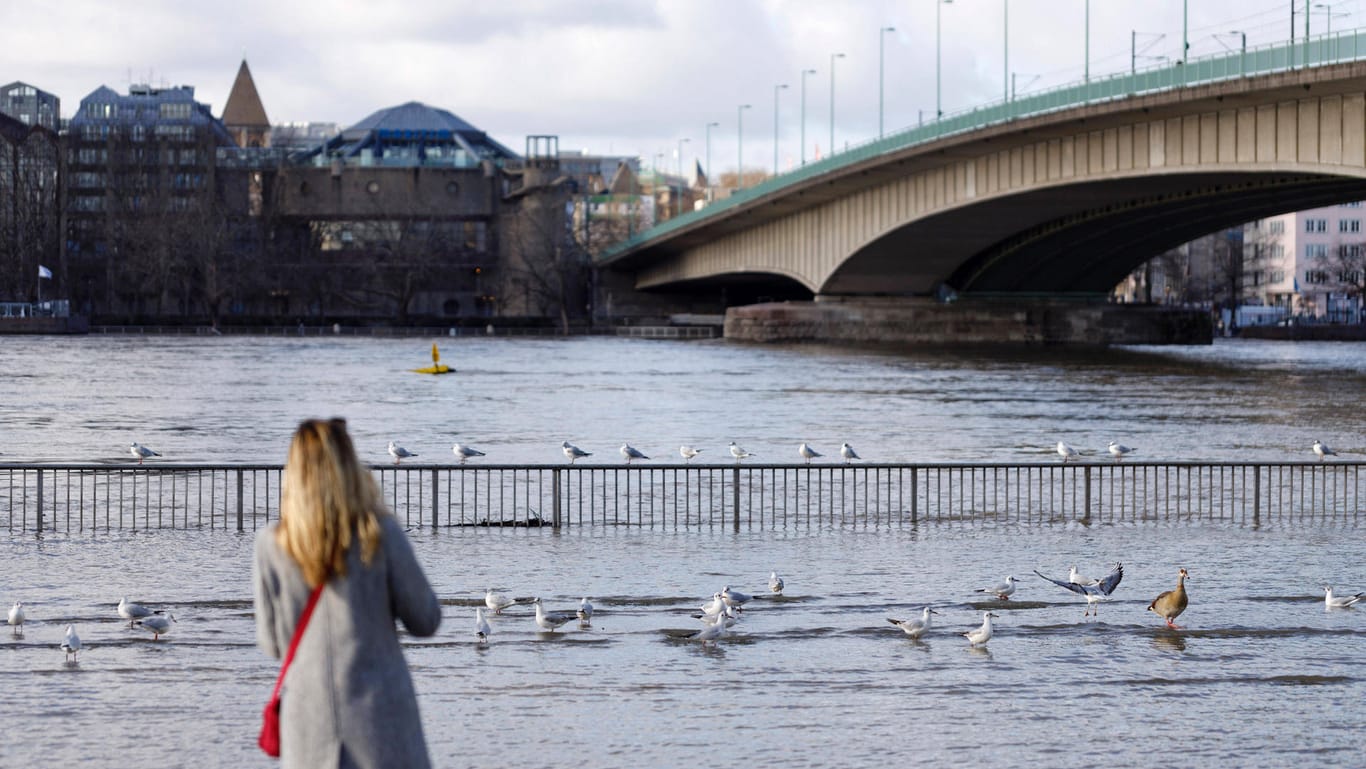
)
(67, 498)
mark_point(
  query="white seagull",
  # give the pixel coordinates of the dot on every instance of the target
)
(775, 583)
(1329, 600)
(158, 624)
(71, 643)
(1118, 450)
(915, 627)
(141, 452)
(548, 622)
(715, 606)
(572, 452)
(1319, 449)
(398, 452)
(481, 625)
(133, 611)
(497, 601)
(808, 453)
(982, 634)
(735, 597)
(1076, 578)
(711, 631)
(848, 453)
(585, 612)
(688, 452)
(738, 453)
(1093, 591)
(465, 452)
(631, 452)
(729, 616)
(1003, 590)
(1066, 451)
(16, 617)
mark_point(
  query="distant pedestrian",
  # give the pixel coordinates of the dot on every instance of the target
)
(348, 699)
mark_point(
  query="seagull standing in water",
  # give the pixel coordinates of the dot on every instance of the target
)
(133, 611)
(981, 635)
(497, 601)
(808, 453)
(738, 453)
(398, 452)
(715, 606)
(848, 453)
(158, 624)
(1321, 450)
(688, 452)
(1330, 601)
(465, 452)
(711, 630)
(16, 616)
(1067, 452)
(775, 583)
(141, 452)
(734, 598)
(915, 627)
(71, 643)
(1118, 450)
(1093, 591)
(631, 452)
(572, 452)
(1002, 590)
(585, 612)
(481, 625)
(1170, 604)
(549, 621)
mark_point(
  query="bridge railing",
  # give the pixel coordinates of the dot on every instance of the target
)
(72, 498)
(1338, 47)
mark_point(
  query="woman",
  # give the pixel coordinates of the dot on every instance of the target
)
(347, 698)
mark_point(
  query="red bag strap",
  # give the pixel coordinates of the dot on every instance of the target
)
(298, 633)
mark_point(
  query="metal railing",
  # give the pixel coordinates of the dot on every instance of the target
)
(1334, 48)
(66, 498)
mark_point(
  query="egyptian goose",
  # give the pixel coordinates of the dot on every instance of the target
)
(1170, 604)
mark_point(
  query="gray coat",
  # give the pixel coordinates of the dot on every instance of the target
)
(347, 699)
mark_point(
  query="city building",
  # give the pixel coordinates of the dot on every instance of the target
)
(243, 115)
(30, 211)
(1309, 264)
(302, 135)
(31, 106)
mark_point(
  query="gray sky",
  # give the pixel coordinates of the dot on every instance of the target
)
(625, 77)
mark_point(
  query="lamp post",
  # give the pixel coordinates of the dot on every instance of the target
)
(1005, 45)
(833, 56)
(776, 89)
(1086, 66)
(1242, 56)
(740, 146)
(1328, 15)
(678, 202)
(938, 60)
(709, 127)
(805, 72)
(881, 51)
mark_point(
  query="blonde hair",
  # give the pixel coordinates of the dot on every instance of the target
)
(327, 498)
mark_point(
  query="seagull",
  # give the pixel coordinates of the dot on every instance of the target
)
(1170, 604)
(808, 453)
(775, 583)
(1076, 578)
(738, 453)
(71, 643)
(1094, 590)
(915, 627)
(481, 625)
(16, 617)
(688, 452)
(398, 452)
(141, 452)
(585, 612)
(158, 624)
(711, 631)
(734, 597)
(1118, 450)
(715, 606)
(465, 452)
(133, 611)
(730, 616)
(1329, 601)
(982, 634)
(631, 452)
(1066, 451)
(548, 622)
(1319, 448)
(1003, 590)
(572, 452)
(848, 453)
(497, 601)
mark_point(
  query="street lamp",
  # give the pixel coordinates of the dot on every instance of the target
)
(740, 149)
(1005, 45)
(939, 60)
(776, 89)
(1242, 57)
(881, 51)
(1086, 66)
(678, 202)
(709, 127)
(1328, 15)
(805, 72)
(833, 56)
(1154, 39)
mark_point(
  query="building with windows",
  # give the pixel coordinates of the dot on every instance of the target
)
(1309, 263)
(30, 209)
(31, 106)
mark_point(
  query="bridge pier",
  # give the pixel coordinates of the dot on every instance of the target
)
(903, 320)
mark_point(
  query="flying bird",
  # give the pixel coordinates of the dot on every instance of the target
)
(481, 625)
(1330, 601)
(1002, 590)
(572, 452)
(465, 452)
(398, 452)
(688, 452)
(848, 453)
(159, 625)
(738, 453)
(1170, 604)
(981, 635)
(915, 627)
(1118, 450)
(1093, 591)
(1067, 452)
(71, 643)
(808, 453)
(141, 452)
(631, 452)
(1321, 450)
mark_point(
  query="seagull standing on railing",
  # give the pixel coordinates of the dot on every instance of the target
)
(398, 452)
(808, 453)
(1319, 449)
(630, 452)
(688, 452)
(465, 452)
(141, 452)
(738, 453)
(1093, 591)
(1118, 450)
(572, 452)
(1067, 452)
(1330, 601)
(848, 453)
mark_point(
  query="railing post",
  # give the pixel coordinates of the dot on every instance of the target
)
(240, 501)
(915, 495)
(555, 497)
(1256, 495)
(1087, 515)
(436, 499)
(40, 500)
(735, 497)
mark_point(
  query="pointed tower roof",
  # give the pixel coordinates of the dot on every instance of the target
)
(244, 104)
(624, 181)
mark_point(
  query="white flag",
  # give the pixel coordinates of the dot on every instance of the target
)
(44, 272)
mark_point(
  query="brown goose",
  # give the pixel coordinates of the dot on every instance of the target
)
(1170, 604)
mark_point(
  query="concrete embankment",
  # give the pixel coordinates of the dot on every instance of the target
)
(925, 322)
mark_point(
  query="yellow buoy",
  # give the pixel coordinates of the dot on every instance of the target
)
(437, 366)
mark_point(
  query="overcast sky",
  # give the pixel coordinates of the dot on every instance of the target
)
(626, 77)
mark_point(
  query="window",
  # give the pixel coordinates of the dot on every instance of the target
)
(1352, 277)
(1315, 225)
(1350, 252)
(1277, 251)
(1357, 204)
(1315, 276)
(1316, 250)
(1349, 225)
(1278, 276)
(1276, 227)
(174, 111)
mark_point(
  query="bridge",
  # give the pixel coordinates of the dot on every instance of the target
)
(1058, 194)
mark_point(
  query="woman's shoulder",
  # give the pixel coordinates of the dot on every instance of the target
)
(266, 545)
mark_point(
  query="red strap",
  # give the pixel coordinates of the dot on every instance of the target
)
(298, 633)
